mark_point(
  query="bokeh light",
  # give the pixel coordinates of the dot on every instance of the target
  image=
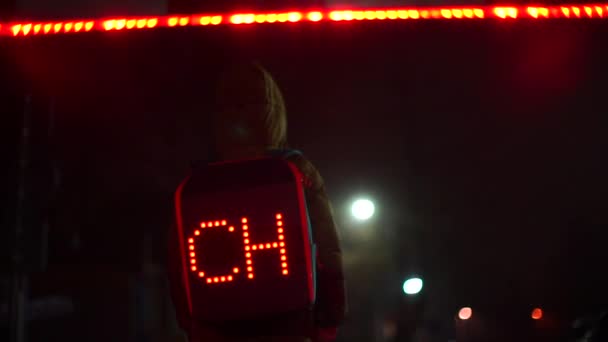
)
(537, 313)
(363, 209)
(412, 286)
(465, 313)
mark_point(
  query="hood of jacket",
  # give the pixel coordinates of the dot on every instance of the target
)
(250, 116)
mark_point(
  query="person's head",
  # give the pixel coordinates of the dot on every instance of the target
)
(250, 113)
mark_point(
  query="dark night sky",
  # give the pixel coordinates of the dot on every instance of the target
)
(483, 144)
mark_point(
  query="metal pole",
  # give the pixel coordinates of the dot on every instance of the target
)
(17, 307)
(17, 302)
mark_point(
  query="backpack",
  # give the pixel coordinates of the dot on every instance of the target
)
(244, 240)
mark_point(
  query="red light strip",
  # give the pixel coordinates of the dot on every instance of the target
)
(587, 11)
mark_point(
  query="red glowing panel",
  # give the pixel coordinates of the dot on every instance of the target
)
(537, 314)
(261, 251)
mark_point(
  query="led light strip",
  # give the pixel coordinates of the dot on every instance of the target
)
(588, 11)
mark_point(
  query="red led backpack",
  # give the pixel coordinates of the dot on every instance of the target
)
(244, 246)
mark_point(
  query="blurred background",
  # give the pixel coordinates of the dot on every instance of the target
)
(465, 161)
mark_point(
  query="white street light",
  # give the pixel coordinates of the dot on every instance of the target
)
(412, 286)
(362, 209)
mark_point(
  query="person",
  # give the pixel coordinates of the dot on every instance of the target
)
(250, 121)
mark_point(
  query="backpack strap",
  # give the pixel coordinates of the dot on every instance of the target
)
(286, 153)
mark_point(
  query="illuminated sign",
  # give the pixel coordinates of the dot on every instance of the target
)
(245, 242)
(565, 11)
(277, 247)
